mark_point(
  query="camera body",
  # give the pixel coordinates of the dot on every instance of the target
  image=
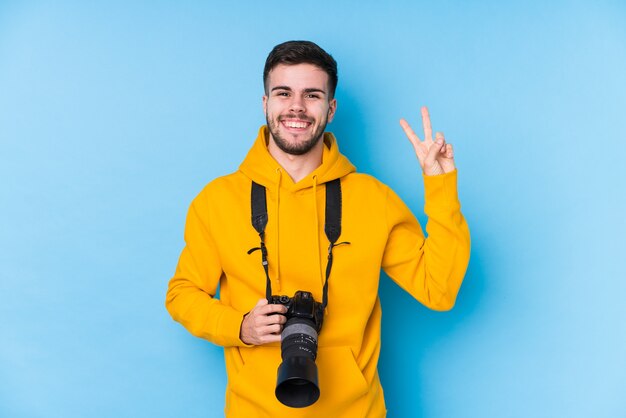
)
(302, 305)
(297, 382)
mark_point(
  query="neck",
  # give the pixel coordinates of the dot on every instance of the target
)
(297, 166)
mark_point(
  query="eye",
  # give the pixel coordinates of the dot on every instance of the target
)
(312, 96)
(282, 94)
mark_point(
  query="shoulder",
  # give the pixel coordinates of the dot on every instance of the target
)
(364, 183)
(223, 188)
(365, 189)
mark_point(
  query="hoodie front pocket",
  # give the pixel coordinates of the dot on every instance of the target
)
(340, 381)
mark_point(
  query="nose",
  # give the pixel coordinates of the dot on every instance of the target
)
(297, 105)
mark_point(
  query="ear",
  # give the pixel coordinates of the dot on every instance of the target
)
(332, 108)
(264, 104)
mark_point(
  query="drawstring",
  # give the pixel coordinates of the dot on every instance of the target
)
(317, 231)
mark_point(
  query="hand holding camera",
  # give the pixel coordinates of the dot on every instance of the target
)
(262, 325)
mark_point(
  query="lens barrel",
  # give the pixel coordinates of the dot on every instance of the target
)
(297, 385)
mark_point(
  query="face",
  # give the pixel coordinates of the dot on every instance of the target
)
(297, 107)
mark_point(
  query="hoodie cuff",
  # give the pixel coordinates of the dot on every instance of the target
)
(230, 328)
(441, 192)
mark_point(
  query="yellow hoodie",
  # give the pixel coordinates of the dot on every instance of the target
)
(382, 232)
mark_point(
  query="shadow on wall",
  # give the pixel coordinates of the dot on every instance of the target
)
(352, 132)
(409, 333)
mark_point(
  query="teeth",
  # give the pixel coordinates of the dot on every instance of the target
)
(290, 124)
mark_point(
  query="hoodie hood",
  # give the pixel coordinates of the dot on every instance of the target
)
(260, 166)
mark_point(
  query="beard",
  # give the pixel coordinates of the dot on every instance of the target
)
(297, 148)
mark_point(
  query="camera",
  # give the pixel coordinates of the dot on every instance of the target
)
(297, 384)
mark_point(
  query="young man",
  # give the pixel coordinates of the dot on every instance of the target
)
(295, 162)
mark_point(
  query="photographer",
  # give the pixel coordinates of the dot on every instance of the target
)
(307, 193)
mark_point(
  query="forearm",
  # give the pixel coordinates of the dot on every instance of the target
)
(447, 248)
(430, 269)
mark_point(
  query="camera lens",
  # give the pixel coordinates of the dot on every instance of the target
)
(297, 384)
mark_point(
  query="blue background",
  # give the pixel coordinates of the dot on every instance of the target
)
(114, 116)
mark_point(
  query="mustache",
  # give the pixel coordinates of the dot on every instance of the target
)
(302, 118)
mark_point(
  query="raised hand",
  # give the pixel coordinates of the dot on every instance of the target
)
(435, 157)
(263, 324)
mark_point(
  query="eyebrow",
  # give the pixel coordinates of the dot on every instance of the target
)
(309, 90)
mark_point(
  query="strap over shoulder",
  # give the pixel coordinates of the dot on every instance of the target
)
(332, 227)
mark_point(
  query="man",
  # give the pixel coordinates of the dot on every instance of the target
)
(295, 161)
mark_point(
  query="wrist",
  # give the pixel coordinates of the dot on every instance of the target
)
(433, 171)
(241, 337)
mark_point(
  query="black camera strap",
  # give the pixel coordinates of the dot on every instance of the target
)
(332, 228)
(259, 221)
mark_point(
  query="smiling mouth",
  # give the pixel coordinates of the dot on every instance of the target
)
(295, 124)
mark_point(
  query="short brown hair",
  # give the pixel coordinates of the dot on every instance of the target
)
(302, 52)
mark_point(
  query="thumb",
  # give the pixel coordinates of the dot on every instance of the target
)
(261, 302)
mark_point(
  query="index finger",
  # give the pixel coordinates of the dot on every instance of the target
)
(409, 132)
(272, 308)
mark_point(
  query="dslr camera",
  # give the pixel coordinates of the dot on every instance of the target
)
(297, 384)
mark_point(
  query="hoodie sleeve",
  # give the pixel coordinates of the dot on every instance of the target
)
(430, 269)
(191, 293)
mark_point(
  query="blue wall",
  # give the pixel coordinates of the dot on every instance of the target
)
(113, 117)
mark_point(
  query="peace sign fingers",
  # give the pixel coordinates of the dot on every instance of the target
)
(435, 157)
